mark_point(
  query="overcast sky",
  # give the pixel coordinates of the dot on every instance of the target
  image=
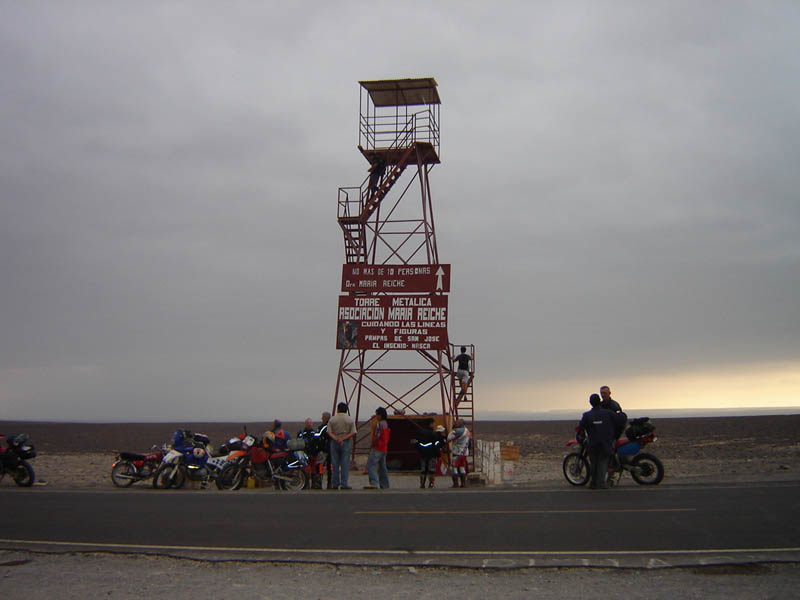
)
(618, 198)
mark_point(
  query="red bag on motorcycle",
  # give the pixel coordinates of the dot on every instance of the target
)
(258, 455)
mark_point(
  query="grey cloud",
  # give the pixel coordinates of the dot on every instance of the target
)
(618, 192)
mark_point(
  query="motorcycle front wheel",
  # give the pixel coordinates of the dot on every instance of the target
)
(232, 477)
(647, 469)
(297, 481)
(23, 474)
(123, 474)
(169, 475)
(576, 468)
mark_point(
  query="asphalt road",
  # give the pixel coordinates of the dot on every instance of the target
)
(521, 527)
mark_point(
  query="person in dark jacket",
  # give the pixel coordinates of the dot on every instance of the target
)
(600, 425)
(607, 401)
(429, 445)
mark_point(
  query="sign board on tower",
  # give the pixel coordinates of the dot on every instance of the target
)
(403, 279)
(392, 323)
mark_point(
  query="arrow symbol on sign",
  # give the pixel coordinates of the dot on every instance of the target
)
(439, 275)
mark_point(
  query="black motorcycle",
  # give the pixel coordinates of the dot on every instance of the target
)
(14, 459)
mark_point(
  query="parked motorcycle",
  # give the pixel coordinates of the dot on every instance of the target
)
(218, 460)
(284, 469)
(316, 448)
(14, 459)
(187, 459)
(129, 467)
(645, 469)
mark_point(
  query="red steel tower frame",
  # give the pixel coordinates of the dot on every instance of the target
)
(390, 243)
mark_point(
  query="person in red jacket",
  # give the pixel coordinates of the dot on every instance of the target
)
(376, 463)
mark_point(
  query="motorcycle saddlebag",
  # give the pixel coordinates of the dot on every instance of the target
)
(629, 449)
(258, 455)
(639, 428)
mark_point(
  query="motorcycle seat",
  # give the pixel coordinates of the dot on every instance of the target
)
(281, 454)
(132, 456)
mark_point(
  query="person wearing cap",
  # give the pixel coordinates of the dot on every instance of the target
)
(600, 425)
(376, 462)
(429, 445)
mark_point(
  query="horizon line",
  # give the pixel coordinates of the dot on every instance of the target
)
(500, 415)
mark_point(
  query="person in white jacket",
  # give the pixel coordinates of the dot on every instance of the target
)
(459, 437)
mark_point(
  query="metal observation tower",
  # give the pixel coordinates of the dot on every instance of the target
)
(392, 312)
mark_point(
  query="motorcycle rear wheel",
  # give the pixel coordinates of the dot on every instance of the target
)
(123, 474)
(23, 474)
(163, 479)
(576, 469)
(647, 469)
(297, 482)
(232, 477)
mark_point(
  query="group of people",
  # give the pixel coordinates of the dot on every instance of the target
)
(602, 425)
(333, 442)
(430, 443)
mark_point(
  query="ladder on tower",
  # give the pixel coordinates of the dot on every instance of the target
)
(371, 201)
(354, 227)
(354, 239)
(463, 405)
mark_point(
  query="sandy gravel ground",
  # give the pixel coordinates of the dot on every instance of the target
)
(26, 576)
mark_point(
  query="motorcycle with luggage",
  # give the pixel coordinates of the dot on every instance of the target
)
(186, 460)
(14, 459)
(645, 468)
(218, 460)
(260, 461)
(316, 449)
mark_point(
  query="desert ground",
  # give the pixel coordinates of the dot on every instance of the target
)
(79, 455)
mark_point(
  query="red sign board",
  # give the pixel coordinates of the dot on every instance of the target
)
(396, 278)
(392, 323)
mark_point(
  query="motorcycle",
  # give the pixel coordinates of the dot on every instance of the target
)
(129, 467)
(218, 460)
(14, 459)
(286, 470)
(187, 459)
(316, 448)
(645, 468)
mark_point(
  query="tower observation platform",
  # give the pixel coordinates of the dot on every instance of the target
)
(396, 114)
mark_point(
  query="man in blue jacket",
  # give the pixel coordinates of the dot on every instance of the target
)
(600, 425)
(282, 436)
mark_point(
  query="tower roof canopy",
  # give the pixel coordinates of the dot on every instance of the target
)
(402, 92)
